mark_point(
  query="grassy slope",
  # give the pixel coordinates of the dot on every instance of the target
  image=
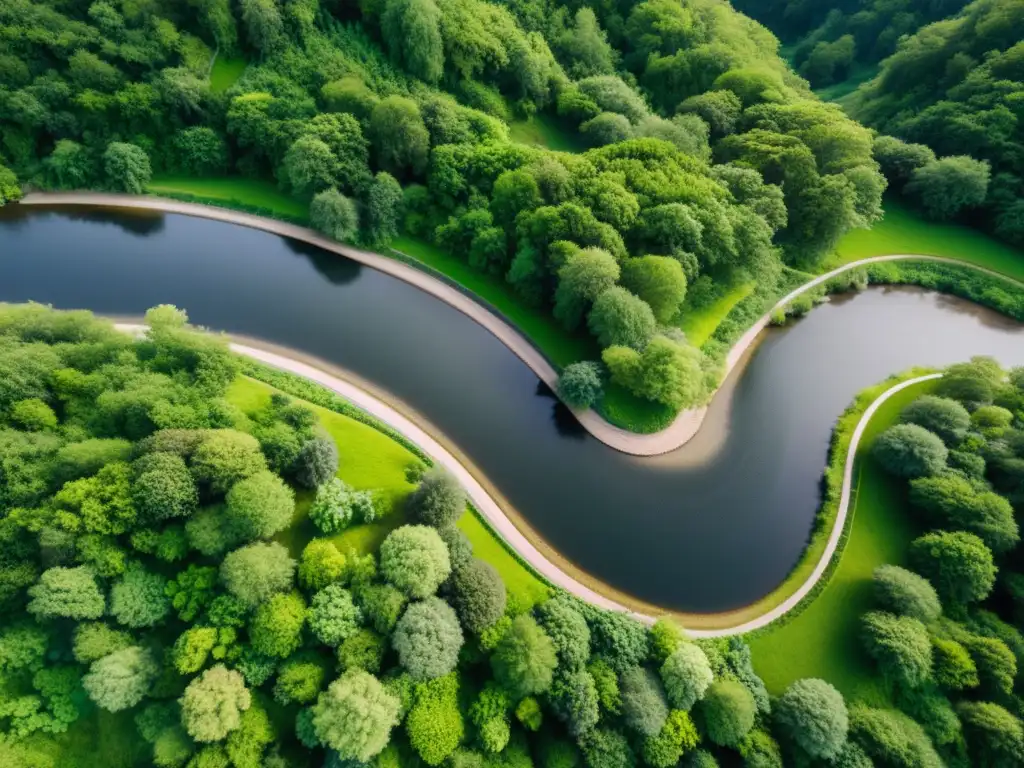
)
(371, 460)
(560, 346)
(225, 73)
(822, 641)
(699, 324)
(251, 193)
(903, 231)
(545, 131)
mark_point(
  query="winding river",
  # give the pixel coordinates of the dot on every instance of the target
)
(710, 527)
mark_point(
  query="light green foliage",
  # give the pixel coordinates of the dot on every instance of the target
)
(88, 457)
(332, 615)
(212, 704)
(163, 488)
(224, 457)
(657, 280)
(321, 565)
(257, 571)
(585, 275)
(945, 417)
(23, 646)
(947, 186)
(363, 649)
(813, 714)
(192, 590)
(434, 724)
(677, 736)
(10, 191)
(994, 735)
(525, 658)
(952, 666)
(332, 510)
(529, 713)
(728, 711)
(93, 640)
(900, 646)
(299, 680)
(99, 504)
(618, 318)
(954, 502)
(137, 599)
(126, 167)
(246, 744)
(575, 699)
(192, 648)
(260, 505)
(907, 450)
(686, 674)
(70, 593)
(354, 716)
(644, 707)
(276, 626)
(33, 415)
(580, 385)
(665, 637)
(381, 604)
(121, 679)
(415, 560)
(666, 371)
(568, 630)
(438, 500)
(904, 593)
(427, 639)
(958, 565)
(334, 215)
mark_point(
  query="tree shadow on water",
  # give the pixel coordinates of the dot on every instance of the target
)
(564, 420)
(336, 269)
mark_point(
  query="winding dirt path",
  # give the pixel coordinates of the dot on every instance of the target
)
(506, 528)
(677, 434)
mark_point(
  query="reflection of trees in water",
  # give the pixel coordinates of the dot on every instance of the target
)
(564, 420)
(140, 223)
(336, 268)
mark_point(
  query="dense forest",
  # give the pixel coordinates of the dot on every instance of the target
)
(949, 83)
(710, 162)
(158, 593)
(945, 629)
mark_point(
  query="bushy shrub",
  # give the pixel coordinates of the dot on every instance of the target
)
(255, 572)
(958, 564)
(138, 600)
(163, 487)
(686, 675)
(276, 626)
(434, 724)
(317, 462)
(321, 564)
(907, 450)
(812, 713)
(944, 417)
(225, 456)
(438, 500)
(728, 712)
(643, 702)
(333, 616)
(427, 639)
(525, 659)
(70, 593)
(415, 560)
(213, 703)
(121, 679)
(900, 645)
(905, 593)
(580, 385)
(568, 630)
(260, 506)
(478, 594)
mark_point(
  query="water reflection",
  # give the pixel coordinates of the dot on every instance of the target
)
(338, 271)
(710, 527)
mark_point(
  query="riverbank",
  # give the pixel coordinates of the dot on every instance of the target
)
(525, 543)
(683, 428)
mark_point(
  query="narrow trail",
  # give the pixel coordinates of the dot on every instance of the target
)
(686, 424)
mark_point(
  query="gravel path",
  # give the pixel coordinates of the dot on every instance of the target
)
(677, 434)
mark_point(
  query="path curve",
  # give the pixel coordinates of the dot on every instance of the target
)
(686, 424)
(506, 528)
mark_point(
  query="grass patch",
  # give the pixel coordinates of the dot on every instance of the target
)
(699, 323)
(560, 346)
(371, 460)
(232, 191)
(545, 131)
(904, 231)
(859, 75)
(822, 641)
(225, 73)
(637, 414)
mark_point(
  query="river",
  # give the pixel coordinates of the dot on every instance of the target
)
(710, 527)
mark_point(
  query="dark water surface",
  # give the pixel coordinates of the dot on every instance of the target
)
(681, 531)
